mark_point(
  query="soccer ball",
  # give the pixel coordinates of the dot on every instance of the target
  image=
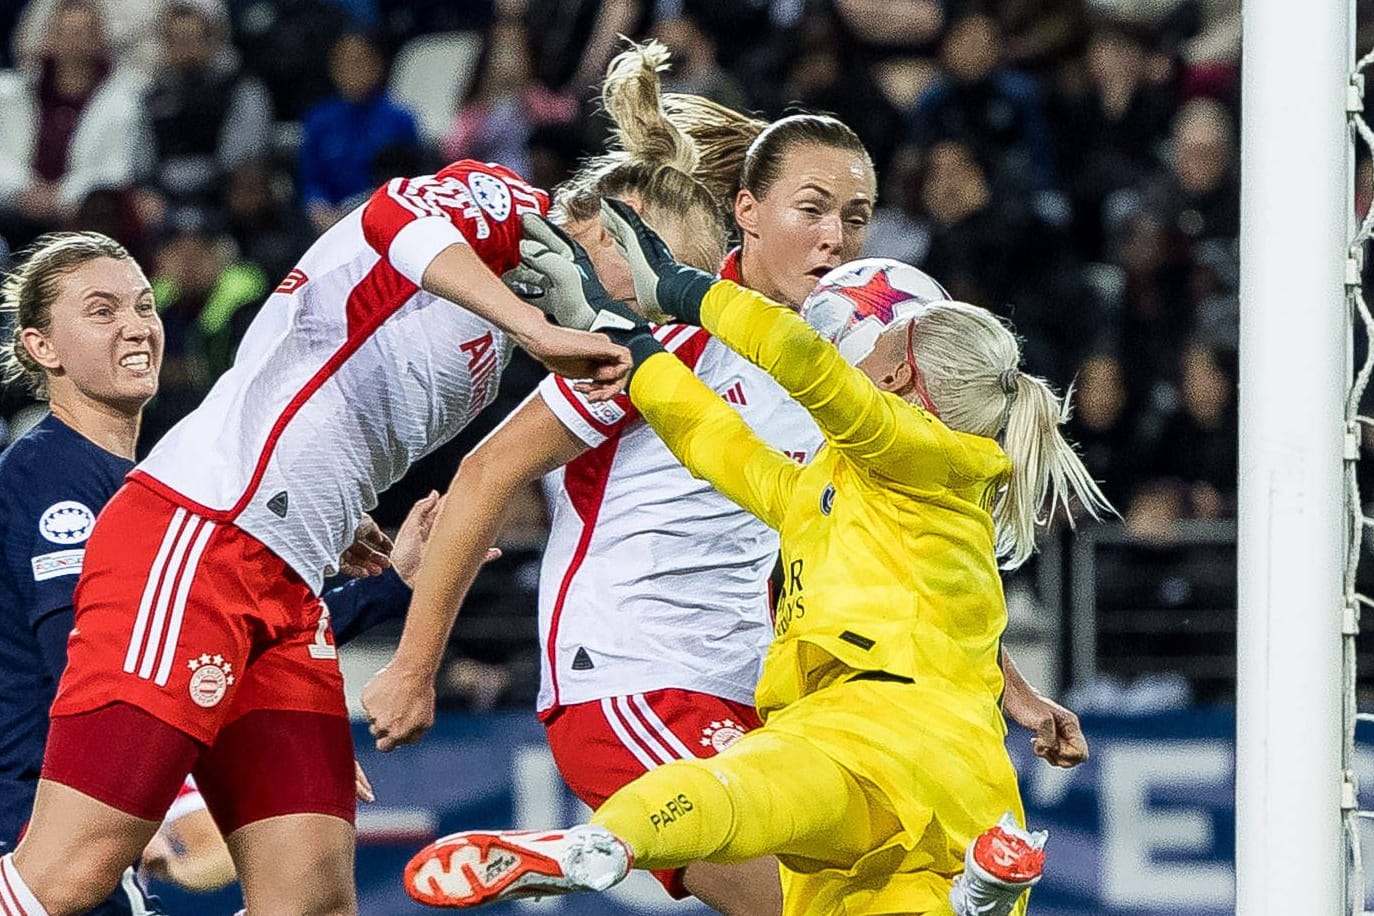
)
(852, 304)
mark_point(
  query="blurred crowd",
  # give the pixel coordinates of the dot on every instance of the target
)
(1071, 164)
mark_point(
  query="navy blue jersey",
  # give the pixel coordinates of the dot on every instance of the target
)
(53, 483)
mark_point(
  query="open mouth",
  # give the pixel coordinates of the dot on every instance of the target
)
(817, 272)
(136, 362)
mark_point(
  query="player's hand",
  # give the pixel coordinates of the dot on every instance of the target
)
(414, 533)
(602, 367)
(362, 786)
(573, 295)
(646, 252)
(370, 552)
(1058, 737)
(663, 287)
(399, 704)
(412, 536)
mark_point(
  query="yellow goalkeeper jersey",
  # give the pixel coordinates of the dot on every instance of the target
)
(887, 541)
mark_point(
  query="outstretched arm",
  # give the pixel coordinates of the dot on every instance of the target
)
(711, 440)
(876, 429)
(399, 700)
(459, 275)
(703, 433)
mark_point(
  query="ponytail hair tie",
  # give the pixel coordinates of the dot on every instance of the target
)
(1008, 380)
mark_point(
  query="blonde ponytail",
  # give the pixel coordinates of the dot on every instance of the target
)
(631, 95)
(969, 361)
(1045, 468)
(655, 160)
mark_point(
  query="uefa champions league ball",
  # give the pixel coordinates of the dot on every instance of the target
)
(852, 304)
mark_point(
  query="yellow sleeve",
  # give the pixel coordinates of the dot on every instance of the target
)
(874, 428)
(711, 440)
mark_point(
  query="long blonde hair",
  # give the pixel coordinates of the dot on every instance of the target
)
(970, 362)
(675, 151)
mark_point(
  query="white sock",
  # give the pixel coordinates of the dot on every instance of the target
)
(15, 896)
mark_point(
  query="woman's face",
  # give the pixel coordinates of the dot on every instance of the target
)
(104, 341)
(356, 67)
(678, 233)
(813, 218)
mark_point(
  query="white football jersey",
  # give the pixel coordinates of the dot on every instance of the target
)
(350, 372)
(651, 578)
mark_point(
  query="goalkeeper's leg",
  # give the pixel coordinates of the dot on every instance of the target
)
(771, 793)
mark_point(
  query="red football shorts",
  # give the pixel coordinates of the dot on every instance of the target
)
(198, 624)
(602, 745)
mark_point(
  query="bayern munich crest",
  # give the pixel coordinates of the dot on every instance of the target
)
(720, 735)
(211, 678)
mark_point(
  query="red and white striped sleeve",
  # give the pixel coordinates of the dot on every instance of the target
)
(409, 221)
(594, 422)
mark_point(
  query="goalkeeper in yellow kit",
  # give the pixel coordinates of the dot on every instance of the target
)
(881, 765)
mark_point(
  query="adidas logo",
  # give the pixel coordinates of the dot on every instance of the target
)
(735, 394)
(277, 504)
(582, 661)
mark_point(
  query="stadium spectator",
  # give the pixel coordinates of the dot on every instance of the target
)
(72, 124)
(574, 39)
(978, 100)
(206, 116)
(131, 27)
(1197, 451)
(1200, 192)
(345, 134)
(286, 43)
(506, 104)
(695, 69)
(206, 296)
(1110, 133)
(268, 227)
(1156, 314)
(1103, 427)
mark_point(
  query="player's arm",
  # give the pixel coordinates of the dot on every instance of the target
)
(459, 275)
(54, 523)
(399, 700)
(700, 429)
(711, 439)
(876, 429)
(420, 240)
(1057, 735)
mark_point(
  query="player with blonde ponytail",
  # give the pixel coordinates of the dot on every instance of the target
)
(969, 360)
(880, 778)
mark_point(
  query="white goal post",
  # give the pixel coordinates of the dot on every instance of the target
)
(1294, 375)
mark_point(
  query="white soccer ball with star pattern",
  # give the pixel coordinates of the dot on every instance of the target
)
(852, 304)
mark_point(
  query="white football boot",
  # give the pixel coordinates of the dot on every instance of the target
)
(999, 866)
(477, 867)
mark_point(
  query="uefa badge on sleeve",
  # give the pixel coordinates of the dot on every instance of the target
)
(211, 678)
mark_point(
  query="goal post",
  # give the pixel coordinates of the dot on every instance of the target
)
(1294, 375)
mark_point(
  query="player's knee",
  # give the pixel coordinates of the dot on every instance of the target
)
(68, 888)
